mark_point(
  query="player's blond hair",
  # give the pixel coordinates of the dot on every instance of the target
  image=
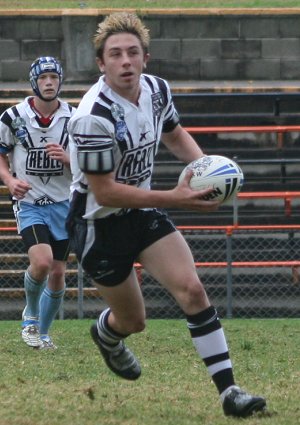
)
(120, 22)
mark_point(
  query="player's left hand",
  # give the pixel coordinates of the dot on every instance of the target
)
(191, 199)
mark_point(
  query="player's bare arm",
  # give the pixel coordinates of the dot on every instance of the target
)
(182, 144)
(17, 188)
(110, 193)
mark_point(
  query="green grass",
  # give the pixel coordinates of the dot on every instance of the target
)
(72, 386)
(139, 4)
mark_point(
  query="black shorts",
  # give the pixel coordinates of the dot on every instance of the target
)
(108, 247)
(39, 233)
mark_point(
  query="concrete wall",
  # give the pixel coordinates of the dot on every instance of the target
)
(206, 45)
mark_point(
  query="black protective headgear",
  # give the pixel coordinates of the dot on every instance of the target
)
(41, 66)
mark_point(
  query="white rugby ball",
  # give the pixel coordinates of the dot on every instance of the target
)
(216, 171)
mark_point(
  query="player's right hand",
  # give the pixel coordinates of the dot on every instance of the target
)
(18, 188)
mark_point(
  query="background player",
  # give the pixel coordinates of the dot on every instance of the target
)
(115, 218)
(34, 165)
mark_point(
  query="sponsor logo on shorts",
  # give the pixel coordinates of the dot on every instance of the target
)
(101, 274)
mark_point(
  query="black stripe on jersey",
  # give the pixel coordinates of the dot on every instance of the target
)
(8, 120)
(83, 140)
(94, 146)
(105, 99)
(152, 88)
(161, 85)
(149, 82)
(29, 139)
(64, 138)
(15, 111)
(128, 137)
(170, 124)
(102, 111)
(163, 89)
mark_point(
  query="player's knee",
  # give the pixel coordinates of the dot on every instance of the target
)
(193, 295)
(139, 326)
(41, 266)
(57, 275)
(134, 325)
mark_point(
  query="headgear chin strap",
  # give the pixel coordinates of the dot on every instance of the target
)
(41, 66)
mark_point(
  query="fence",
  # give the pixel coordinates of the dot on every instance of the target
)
(248, 271)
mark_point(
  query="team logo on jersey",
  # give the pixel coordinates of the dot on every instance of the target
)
(118, 114)
(121, 130)
(157, 103)
(19, 125)
(136, 165)
(39, 164)
(18, 122)
(44, 139)
(21, 134)
(143, 136)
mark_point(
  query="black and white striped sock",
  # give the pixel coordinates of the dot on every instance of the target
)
(209, 340)
(110, 339)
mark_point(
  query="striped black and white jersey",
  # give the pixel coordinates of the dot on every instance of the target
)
(24, 140)
(105, 120)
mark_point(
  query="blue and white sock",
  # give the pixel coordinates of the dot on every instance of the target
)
(33, 290)
(49, 305)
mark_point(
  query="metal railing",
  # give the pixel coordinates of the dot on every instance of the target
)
(279, 130)
(247, 269)
(242, 267)
(214, 107)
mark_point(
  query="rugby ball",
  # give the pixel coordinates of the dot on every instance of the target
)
(219, 172)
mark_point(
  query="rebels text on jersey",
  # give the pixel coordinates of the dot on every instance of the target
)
(106, 121)
(22, 138)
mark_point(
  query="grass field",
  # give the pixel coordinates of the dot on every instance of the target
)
(165, 4)
(72, 386)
